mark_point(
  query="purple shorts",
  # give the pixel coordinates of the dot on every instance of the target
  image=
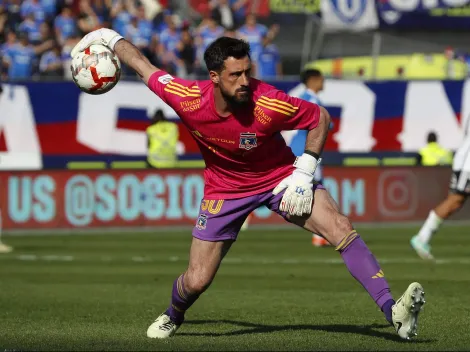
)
(221, 220)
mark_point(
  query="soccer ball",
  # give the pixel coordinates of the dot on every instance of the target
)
(96, 70)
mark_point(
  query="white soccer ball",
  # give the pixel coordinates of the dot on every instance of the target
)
(96, 70)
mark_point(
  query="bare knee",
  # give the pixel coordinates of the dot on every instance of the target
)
(197, 281)
(342, 228)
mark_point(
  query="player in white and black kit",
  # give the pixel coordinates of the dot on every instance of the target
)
(458, 193)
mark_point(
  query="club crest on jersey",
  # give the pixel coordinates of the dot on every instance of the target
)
(248, 140)
(201, 222)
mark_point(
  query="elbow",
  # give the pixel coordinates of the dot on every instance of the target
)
(325, 118)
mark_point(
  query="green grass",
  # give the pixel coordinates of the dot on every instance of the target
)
(273, 292)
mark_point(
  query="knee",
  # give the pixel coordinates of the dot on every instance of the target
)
(196, 282)
(343, 227)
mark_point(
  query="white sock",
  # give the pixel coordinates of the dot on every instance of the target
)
(430, 226)
(316, 236)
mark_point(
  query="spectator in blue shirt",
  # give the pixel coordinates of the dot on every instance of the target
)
(253, 33)
(65, 24)
(50, 64)
(121, 16)
(169, 40)
(88, 21)
(49, 7)
(210, 32)
(268, 65)
(33, 7)
(21, 58)
(31, 27)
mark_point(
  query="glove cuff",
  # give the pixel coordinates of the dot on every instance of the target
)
(113, 41)
(307, 163)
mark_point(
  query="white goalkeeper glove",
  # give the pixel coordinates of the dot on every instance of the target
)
(103, 36)
(298, 197)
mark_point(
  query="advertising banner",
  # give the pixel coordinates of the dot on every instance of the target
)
(70, 199)
(46, 125)
(424, 14)
(349, 15)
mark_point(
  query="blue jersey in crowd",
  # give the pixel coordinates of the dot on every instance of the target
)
(66, 26)
(32, 29)
(21, 60)
(47, 59)
(30, 7)
(268, 61)
(208, 35)
(254, 36)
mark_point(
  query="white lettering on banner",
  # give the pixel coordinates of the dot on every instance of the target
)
(352, 195)
(413, 5)
(98, 115)
(465, 113)
(427, 108)
(357, 104)
(18, 127)
(351, 15)
(126, 197)
(31, 198)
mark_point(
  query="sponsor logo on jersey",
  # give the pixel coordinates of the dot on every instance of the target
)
(165, 79)
(191, 105)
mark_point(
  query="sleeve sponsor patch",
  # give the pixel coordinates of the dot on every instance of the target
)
(165, 79)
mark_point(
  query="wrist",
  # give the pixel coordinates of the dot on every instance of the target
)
(307, 163)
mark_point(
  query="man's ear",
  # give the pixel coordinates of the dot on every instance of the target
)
(214, 76)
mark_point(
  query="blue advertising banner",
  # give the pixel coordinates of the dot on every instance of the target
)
(47, 125)
(424, 14)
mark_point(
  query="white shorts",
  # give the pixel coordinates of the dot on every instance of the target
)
(460, 180)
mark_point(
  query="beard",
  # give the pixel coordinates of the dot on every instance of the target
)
(236, 100)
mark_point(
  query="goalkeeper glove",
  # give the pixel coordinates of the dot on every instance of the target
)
(103, 36)
(298, 197)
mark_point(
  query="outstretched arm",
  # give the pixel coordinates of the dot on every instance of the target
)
(133, 57)
(125, 51)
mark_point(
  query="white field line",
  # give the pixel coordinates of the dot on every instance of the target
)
(228, 261)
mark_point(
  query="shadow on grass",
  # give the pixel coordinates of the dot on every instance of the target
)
(252, 328)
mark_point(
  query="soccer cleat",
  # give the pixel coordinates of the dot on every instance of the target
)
(5, 249)
(421, 248)
(319, 241)
(162, 328)
(405, 311)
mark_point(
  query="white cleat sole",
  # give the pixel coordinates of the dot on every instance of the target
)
(413, 301)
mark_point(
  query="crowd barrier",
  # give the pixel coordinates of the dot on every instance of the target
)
(66, 199)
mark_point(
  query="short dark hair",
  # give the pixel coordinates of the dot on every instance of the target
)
(158, 116)
(307, 74)
(432, 137)
(223, 48)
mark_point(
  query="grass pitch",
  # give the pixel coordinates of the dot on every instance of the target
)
(274, 291)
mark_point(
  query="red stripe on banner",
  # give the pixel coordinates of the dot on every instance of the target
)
(3, 142)
(385, 133)
(61, 139)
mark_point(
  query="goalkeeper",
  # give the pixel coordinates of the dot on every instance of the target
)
(237, 121)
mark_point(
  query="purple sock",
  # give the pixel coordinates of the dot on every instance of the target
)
(364, 268)
(181, 300)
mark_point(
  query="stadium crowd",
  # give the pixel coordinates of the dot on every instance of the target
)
(36, 36)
